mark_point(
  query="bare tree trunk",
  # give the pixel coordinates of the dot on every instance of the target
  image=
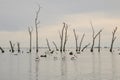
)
(61, 37)
(36, 27)
(2, 50)
(76, 40)
(92, 45)
(48, 44)
(99, 43)
(12, 48)
(94, 37)
(30, 34)
(66, 38)
(55, 46)
(18, 44)
(81, 42)
(85, 47)
(113, 39)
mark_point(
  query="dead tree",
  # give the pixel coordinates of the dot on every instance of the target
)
(113, 38)
(18, 44)
(2, 50)
(94, 37)
(76, 40)
(12, 47)
(81, 42)
(30, 36)
(85, 47)
(36, 27)
(99, 43)
(66, 37)
(61, 38)
(48, 44)
(55, 46)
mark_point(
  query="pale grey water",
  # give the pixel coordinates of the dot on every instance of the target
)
(86, 66)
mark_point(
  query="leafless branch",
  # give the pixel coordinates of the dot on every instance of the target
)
(66, 37)
(85, 47)
(48, 44)
(81, 41)
(55, 46)
(76, 39)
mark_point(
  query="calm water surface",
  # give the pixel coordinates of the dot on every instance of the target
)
(83, 66)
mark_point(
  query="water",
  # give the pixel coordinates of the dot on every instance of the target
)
(83, 66)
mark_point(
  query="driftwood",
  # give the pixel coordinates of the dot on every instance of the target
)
(76, 39)
(48, 44)
(81, 42)
(2, 50)
(55, 46)
(94, 37)
(113, 38)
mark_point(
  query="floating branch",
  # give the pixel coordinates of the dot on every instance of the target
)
(48, 44)
(85, 47)
(66, 37)
(76, 39)
(18, 44)
(94, 37)
(113, 38)
(55, 46)
(61, 38)
(2, 50)
(30, 30)
(81, 41)
(12, 47)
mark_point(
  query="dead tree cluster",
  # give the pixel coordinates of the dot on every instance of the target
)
(63, 37)
(94, 37)
(79, 48)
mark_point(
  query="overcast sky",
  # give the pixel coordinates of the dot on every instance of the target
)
(17, 15)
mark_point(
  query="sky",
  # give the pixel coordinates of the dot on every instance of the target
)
(17, 15)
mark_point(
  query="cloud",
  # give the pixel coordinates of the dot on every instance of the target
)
(17, 14)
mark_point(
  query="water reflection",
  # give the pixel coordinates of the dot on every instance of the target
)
(37, 68)
(63, 66)
(87, 66)
(30, 66)
(113, 65)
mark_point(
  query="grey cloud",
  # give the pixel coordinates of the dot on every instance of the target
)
(16, 14)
